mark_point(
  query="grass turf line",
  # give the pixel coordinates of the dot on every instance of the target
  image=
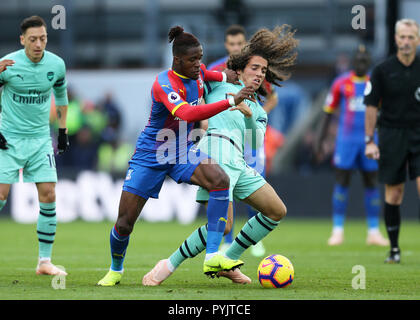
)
(321, 272)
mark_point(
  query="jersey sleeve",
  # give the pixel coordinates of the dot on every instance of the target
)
(373, 89)
(333, 97)
(60, 86)
(208, 75)
(168, 96)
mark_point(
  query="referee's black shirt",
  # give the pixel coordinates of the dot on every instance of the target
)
(395, 88)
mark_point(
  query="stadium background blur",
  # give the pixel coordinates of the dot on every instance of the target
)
(114, 49)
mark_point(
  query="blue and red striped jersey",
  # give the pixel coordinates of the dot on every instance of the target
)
(347, 94)
(170, 91)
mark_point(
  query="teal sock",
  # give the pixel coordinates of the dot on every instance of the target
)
(47, 224)
(2, 204)
(192, 246)
(254, 230)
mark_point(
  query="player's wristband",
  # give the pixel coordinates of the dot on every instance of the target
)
(231, 100)
(368, 139)
(224, 77)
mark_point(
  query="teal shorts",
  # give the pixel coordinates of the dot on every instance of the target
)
(34, 155)
(244, 180)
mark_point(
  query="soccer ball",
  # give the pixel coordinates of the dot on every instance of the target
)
(275, 271)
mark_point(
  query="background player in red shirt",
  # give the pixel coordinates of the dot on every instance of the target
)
(346, 97)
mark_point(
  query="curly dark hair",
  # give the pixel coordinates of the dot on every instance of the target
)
(278, 47)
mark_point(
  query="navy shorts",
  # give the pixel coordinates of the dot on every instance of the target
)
(145, 174)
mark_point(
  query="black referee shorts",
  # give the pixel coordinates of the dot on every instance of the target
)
(399, 154)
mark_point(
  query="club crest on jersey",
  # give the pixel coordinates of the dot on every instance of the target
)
(173, 97)
(50, 75)
(201, 83)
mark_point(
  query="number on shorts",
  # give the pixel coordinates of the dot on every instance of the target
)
(51, 160)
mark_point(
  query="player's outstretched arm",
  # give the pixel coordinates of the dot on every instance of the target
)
(190, 113)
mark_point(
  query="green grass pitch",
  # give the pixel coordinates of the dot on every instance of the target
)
(321, 272)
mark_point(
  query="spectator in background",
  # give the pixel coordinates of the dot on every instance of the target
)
(95, 117)
(74, 123)
(94, 131)
(112, 112)
(113, 154)
(83, 155)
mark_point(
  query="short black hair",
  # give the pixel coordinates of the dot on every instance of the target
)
(182, 41)
(30, 22)
(235, 29)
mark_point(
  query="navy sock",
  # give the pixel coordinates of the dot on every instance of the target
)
(119, 245)
(217, 217)
(339, 203)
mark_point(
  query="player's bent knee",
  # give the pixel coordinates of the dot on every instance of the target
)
(221, 181)
(278, 213)
(282, 211)
(124, 227)
(48, 196)
(394, 195)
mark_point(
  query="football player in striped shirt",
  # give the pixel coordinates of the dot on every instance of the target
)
(267, 56)
(165, 148)
(346, 98)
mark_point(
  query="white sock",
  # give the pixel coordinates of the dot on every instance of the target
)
(373, 230)
(210, 255)
(170, 265)
(120, 271)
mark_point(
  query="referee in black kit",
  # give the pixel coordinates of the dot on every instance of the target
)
(394, 89)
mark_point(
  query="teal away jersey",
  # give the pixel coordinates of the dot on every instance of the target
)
(26, 96)
(233, 123)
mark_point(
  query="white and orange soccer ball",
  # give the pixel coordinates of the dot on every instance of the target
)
(275, 271)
